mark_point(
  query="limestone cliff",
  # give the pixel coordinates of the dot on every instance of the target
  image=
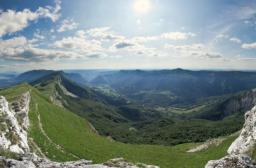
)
(240, 151)
(14, 124)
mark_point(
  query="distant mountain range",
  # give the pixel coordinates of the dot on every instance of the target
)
(176, 87)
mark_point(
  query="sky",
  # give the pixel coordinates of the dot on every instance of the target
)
(127, 34)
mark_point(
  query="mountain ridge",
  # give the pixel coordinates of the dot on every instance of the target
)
(63, 107)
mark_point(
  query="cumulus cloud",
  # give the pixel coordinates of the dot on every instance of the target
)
(67, 24)
(197, 50)
(92, 44)
(143, 39)
(78, 43)
(12, 21)
(51, 12)
(222, 36)
(12, 43)
(235, 40)
(249, 45)
(39, 36)
(20, 49)
(121, 45)
(104, 33)
(96, 55)
(166, 36)
(37, 54)
(212, 55)
(190, 47)
(129, 47)
(177, 35)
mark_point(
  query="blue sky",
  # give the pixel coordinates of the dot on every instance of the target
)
(127, 34)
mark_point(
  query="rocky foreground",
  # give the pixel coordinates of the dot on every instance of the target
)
(241, 149)
(14, 123)
(33, 161)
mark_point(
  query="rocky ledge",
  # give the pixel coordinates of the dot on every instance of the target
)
(242, 148)
(33, 161)
(14, 123)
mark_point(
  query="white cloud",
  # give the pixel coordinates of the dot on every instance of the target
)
(197, 50)
(67, 24)
(38, 35)
(51, 12)
(12, 21)
(222, 35)
(212, 55)
(104, 33)
(249, 45)
(143, 39)
(14, 42)
(79, 44)
(130, 47)
(190, 47)
(167, 36)
(94, 44)
(123, 44)
(21, 49)
(80, 34)
(177, 35)
(235, 40)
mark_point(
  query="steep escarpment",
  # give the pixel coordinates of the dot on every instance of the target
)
(240, 151)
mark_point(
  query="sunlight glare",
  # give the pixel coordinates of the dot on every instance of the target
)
(142, 6)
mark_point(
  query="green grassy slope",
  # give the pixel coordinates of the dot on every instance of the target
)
(131, 123)
(75, 139)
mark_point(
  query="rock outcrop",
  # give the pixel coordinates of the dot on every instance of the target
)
(241, 149)
(206, 145)
(33, 161)
(232, 161)
(14, 124)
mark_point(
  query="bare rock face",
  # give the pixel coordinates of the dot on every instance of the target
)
(232, 161)
(241, 149)
(246, 141)
(14, 124)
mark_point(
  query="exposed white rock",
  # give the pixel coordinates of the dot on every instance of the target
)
(32, 161)
(4, 142)
(14, 135)
(232, 161)
(241, 149)
(246, 141)
(206, 145)
(66, 92)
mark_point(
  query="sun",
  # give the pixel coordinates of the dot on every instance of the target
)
(142, 6)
